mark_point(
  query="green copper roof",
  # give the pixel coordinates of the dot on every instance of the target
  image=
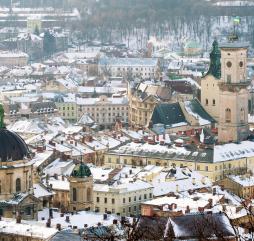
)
(1, 117)
(215, 65)
(81, 170)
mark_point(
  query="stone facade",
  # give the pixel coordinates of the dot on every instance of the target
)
(233, 95)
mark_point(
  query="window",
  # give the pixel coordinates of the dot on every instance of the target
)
(145, 196)
(129, 209)
(89, 194)
(74, 194)
(135, 208)
(123, 200)
(241, 64)
(129, 199)
(139, 197)
(105, 200)
(113, 201)
(198, 167)
(150, 195)
(206, 101)
(123, 210)
(206, 168)
(113, 210)
(242, 115)
(97, 199)
(228, 78)
(135, 198)
(213, 101)
(228, 115)
(18, 185)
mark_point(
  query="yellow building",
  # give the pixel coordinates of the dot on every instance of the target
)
(122, 198)
(213, 163)
(67, 108)
(242, 186)
(142, 100)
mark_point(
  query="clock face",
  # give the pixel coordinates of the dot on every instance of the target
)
(229, 64)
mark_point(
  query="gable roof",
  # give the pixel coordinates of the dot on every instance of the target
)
(200, 225)
(168, 114)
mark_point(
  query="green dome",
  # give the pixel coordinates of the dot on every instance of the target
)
(192, 45)
(81, 170)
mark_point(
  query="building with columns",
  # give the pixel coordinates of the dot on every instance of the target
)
(233, 94)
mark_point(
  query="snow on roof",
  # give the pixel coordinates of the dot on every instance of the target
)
(26, 126)
(100, 90)
(59, 184)
(245, 181)
(73, 129)
(80, 219)
(41, 157)
(124, 187)
(94, 101)
(41, 191)
(10, 54)
(58, 167)
(187, 105)
(233, 151)
(181, 181)
(150, 62)
(100, 173)
(26, 228)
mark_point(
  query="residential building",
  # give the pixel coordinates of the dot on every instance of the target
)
(129, 67)
(214, 163)
(104, 111)
(11, 59)
(143, 98)
(122, 197)
(242, 185)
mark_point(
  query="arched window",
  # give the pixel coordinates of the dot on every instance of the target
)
(74, 194)
(18, 185)
(88, 194)
(214, 102)
(242, 115)
(206, 101)
(228, 115)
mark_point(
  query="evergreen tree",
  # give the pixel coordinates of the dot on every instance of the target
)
(49, 43)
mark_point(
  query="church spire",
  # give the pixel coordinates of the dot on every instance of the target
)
(215, 65)
(2, 117)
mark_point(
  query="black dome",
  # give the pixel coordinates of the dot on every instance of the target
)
(12, 146)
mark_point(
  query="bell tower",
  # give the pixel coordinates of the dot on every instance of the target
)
(233, 93)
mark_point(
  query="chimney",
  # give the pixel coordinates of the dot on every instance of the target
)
(58, 226)
(105, 216)
(18, 218)
(115, 221)
(194, 181)
(187, 209)
(214, 191)
(177, 188)
(56, 176)
(48, 223)
(130, 171)
(67, 219)
(203, 180)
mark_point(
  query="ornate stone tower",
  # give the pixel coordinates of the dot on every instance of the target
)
(233, 95)
(81, 188)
